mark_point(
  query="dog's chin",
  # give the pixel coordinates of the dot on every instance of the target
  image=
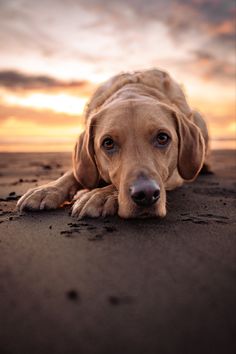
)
(145, 215)
(136, 212)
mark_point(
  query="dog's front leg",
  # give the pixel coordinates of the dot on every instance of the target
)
(51, 195)
(96, 202)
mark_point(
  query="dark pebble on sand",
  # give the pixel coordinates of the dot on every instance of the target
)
(72, 295)
(71, 224)
(110, 228)
(97, 237)
(10, 197)
(12, 193)
(47, 167)
(66, 232)
(91, 227)
(114, 300)
(119, 300)
(50, 227)
(75, 230)
(200, 222)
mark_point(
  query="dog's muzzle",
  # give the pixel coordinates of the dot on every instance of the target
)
(144, 191)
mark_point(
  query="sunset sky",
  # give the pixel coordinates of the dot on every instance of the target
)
(55, 53)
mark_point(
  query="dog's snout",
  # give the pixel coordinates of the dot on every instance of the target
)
(145, 192)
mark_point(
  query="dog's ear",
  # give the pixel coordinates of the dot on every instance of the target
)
(84, 164)
(191, 147)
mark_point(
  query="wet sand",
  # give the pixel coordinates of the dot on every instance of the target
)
(115, 286)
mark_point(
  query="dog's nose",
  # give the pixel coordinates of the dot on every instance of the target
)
(145, 192)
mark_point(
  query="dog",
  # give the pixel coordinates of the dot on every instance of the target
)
(141, 139)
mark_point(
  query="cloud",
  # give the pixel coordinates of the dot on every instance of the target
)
(213, 16)
(93, 39)
(213, 68)
(41, 117)
(48, 25)
(15, 80)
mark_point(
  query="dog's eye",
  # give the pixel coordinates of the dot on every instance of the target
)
(108, 144)
(162, 139)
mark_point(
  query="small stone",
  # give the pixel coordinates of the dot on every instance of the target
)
(110, 228)
(120, 300)
(97, 237)
(114, 300)
(72, 295)
(47, 167)
(66, 233)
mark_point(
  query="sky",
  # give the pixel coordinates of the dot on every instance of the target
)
(55, 53)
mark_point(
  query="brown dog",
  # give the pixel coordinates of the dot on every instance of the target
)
(141, 139)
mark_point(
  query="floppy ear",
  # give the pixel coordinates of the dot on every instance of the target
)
(85, 168)
(191, 147)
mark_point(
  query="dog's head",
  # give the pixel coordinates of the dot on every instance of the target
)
(137, 145)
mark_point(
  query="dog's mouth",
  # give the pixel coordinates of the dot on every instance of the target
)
(145, 212)
(145, 199)
(135, 211)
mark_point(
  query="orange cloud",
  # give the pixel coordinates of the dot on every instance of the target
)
(225, 27)
(44, 117)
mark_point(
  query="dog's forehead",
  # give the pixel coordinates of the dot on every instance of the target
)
(124, 113)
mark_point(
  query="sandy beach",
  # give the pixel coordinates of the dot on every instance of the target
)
(118, 286)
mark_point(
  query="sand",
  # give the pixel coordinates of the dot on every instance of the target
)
(115, 286)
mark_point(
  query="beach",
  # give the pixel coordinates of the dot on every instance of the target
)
(118, 286)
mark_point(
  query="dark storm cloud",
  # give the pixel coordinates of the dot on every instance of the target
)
(15, 80)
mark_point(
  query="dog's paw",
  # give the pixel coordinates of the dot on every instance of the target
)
(95, 203)
(40, 198)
